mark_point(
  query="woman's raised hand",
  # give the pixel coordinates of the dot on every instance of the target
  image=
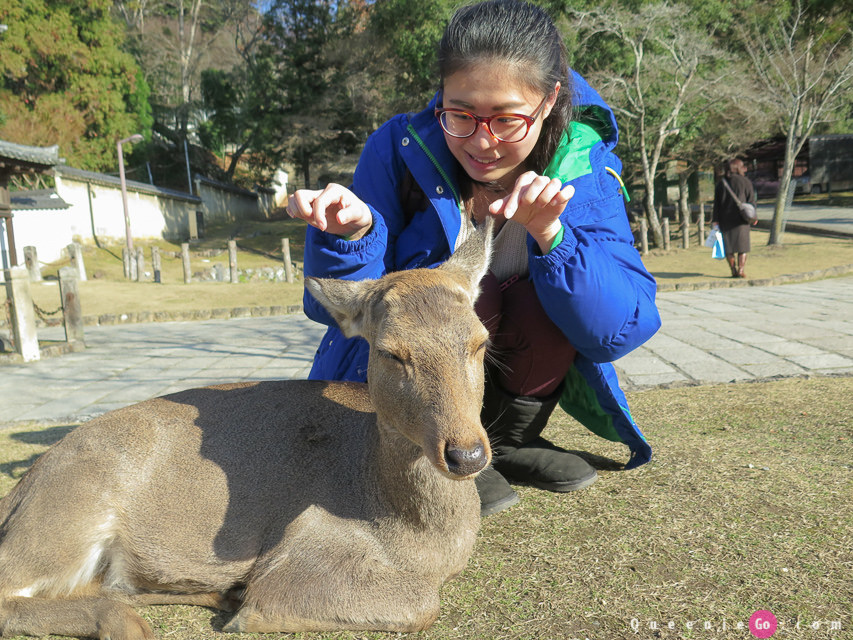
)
(335, 209)
(535, 202)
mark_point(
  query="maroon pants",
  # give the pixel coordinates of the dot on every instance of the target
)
(530, 356)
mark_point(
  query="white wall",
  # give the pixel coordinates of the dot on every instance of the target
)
(48, 230)
(96, 210)
(153, 213)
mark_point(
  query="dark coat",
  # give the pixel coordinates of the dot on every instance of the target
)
(726, 212)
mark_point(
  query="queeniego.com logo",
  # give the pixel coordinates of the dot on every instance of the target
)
(761, 624)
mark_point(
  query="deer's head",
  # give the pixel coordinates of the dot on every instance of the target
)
(425, 371)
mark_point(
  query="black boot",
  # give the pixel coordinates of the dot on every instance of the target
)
(514, 424)
(494, 491)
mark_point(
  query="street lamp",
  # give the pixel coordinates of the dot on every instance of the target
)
(136, 137)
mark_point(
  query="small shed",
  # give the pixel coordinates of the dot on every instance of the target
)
(16, 160)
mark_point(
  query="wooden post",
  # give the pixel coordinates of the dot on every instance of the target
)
(701, 223)
(140, 264)
(666, 238)
(31, 260)
(685, 231)
(75, 252)
(644, 236)
(185, 259)
(23, 314)
(285, 256)
(232, 261)
(155, 263)
(71, 311)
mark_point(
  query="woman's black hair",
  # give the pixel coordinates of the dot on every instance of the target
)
(517, 35)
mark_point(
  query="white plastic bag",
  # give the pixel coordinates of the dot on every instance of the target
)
(718, 252)
(711, 239)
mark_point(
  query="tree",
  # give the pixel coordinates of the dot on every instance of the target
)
(174, 41)
(404, 37)
(307, 61)
(65, 80)
(665, 73)
(803, 61)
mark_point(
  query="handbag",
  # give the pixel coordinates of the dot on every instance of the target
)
(747, 210)
(718, 252)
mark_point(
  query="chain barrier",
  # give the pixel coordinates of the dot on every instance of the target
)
(41, 313)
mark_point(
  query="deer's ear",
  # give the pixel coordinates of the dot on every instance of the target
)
(344, 299)
(470, 262)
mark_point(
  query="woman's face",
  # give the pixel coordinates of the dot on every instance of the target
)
(486, 89)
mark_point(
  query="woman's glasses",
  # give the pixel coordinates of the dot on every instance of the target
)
(506, 127)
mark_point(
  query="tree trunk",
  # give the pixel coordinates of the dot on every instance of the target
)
(793, 145)
(651, 214)
(683, 193)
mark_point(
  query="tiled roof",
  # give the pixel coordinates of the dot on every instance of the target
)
(104, 179)
(46, 156)
(41, 199)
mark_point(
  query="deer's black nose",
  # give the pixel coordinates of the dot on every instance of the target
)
(464, 462)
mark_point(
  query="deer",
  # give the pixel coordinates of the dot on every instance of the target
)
(301, 505)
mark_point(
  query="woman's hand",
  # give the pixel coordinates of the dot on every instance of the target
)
(335, 209)
(535, 202)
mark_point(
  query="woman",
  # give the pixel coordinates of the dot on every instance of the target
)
(567, 292)
(727, 217)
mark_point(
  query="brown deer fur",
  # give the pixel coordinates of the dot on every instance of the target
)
(306, 505)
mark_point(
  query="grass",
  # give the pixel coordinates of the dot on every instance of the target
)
(746, 506)
(259, 246)
(799, 254)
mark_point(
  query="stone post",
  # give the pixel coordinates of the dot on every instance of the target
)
(232, 261)
(155, 263)
(31, 260)
(685, 230)
(644, 236)
(71, 311)
(185, 259)
(22, 313)
(667, 243)
(701, 223)
(140, 264)
(125, 259)
(285, 256)
(75, 252)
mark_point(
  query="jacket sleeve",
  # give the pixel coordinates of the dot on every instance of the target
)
(330, 256)
(718, 197)
(593, 285)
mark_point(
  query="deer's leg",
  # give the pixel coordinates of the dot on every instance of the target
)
(336, 578)
(395, 605)
(227, 601)
(82, 617)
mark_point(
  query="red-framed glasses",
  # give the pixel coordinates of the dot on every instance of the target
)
(506, 127)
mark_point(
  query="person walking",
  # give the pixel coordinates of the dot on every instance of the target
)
(733, 186)
(567, 292)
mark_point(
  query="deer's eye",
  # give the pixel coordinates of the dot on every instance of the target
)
(388, 355)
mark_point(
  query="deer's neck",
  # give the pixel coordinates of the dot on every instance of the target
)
(414, 490)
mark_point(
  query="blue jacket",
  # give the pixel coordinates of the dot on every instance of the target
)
(593, 285)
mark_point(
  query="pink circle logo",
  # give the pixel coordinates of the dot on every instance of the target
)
(763, 624)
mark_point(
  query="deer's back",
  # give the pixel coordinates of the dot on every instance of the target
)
(208, 477)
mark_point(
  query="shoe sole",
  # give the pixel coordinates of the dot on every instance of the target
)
(565, 487)
(498, 505)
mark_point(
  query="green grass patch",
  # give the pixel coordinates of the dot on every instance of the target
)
(259, 247)
(746, 506)
(799, 254)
